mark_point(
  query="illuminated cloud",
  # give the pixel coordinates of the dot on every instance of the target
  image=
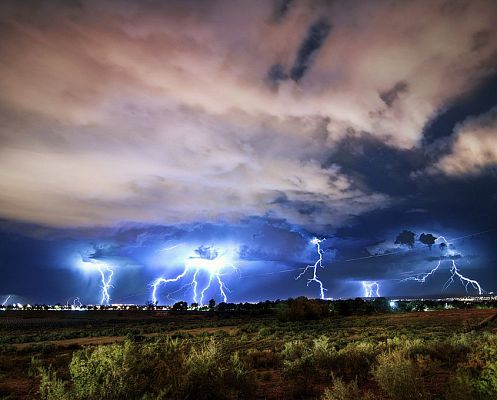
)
(474, 148)
(161, 112)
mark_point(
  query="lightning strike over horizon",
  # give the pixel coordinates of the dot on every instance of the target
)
(106, 284)
(371, 289)
(106, 275)
(465, 281)
(6, 300)
(445, 245)
(319, 263)
(206, 259)
(76, 302)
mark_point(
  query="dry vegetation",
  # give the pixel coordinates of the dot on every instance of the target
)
(149, 355)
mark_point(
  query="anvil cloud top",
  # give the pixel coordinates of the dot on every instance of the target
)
(127, 127)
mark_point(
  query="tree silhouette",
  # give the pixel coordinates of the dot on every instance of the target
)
(428, 239)
(406, 238)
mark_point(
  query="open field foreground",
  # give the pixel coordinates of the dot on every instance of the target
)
(150, 355)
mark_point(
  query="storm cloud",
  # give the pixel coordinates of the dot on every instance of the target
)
(113, 115)
(127, 125)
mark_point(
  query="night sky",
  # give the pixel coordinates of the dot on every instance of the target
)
(145, 136)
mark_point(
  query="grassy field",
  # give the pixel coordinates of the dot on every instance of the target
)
(151, 355)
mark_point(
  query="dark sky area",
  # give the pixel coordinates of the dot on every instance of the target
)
(213, 140)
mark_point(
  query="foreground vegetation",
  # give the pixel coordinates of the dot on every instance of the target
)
(296, 352)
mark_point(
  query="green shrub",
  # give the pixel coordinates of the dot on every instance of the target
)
(51, 387)
(208, 377)
(238, 378)
(261, 358)
(299, 366)
(477, 378)
(345, 391)
(342, 391)
(163, 368)
(398, 376)
(355, 360)
(323, 353)
(105, 372)
(476, 381)
(203, 372)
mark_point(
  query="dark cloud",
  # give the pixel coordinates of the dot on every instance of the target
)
(392, 94)
(276, 74)
(427, 239)
(406, 238)
(445, 257)
(281, 8)
(475, 102)
(316, 36)
(360, 157)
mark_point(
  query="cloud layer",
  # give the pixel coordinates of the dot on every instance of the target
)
(474, 148)
(177, 112)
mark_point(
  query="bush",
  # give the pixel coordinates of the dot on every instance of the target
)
(355, 360)
(299, 365)
(155, 370)
(296, 354)
(261, 359)
(105, 372)
(302, 308)
(477, 378)
(345, 391)
(51, 387)
(306, 361)
(475, 381)
(323, 353)
(239, 378)
(203, 373)
(342, 391)
(398, 376)
(207, 377)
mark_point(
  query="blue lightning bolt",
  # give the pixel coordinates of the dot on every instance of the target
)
(422, 277)
(371, 289)
(465, 281)
(106, 283)
(6, 300)
(206, 259)
(454, 270)
(106, 274)
(76, 303)
(319, 263)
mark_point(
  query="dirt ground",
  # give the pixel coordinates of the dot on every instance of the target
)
(18, 382)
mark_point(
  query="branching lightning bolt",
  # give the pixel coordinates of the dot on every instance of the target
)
(106, 283)
(422, 277)
(319, 263)
(371, 289)
(214, 264)
(76, 303)
(454, 270)
(106, 274)
(465, 281)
